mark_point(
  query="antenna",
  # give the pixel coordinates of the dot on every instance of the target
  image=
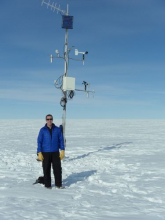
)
(54, 7)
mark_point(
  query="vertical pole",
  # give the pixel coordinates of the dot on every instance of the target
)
(65, 75)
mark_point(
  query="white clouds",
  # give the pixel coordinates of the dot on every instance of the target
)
(39, 86)
(156, 92)
(28, 95)
(27, 91)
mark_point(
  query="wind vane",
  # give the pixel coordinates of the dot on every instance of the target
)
(66, 84)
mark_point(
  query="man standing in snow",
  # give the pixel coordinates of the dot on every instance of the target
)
(50, 139)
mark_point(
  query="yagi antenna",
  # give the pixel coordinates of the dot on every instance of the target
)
(54, 7)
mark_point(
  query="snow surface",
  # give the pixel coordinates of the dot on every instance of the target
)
(114, 169)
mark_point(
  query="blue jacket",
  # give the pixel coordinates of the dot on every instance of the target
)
(46, 143)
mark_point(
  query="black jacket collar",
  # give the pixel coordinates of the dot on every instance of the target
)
(53, 125)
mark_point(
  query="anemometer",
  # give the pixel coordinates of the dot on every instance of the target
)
(64, 83)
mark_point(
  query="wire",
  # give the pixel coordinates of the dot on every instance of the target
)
(63, 101)
(58, 82)
(71, 94)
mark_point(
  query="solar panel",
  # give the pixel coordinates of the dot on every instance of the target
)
(67, 22)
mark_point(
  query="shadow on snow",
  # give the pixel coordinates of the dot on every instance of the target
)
(116, 146)
(77, 177)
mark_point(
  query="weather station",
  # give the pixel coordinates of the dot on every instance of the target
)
(67, 84)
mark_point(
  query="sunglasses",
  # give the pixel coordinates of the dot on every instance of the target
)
(49, 119)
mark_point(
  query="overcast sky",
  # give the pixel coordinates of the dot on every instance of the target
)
(125, 65)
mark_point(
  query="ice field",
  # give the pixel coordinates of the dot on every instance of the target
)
(113, 170)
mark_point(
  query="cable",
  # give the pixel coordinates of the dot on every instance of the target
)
(71, 94)
(63, 101)
(58, 82)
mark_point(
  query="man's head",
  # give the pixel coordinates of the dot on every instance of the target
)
(49, 120)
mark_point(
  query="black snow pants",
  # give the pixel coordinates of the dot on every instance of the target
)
(54, 159)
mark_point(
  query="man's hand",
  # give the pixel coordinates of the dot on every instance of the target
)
(62, 154)
(40, 157)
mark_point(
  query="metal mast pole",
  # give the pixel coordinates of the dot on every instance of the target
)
(65, 74)
(67, 23)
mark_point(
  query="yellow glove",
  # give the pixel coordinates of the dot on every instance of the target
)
(40, 157)
(62, 154)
